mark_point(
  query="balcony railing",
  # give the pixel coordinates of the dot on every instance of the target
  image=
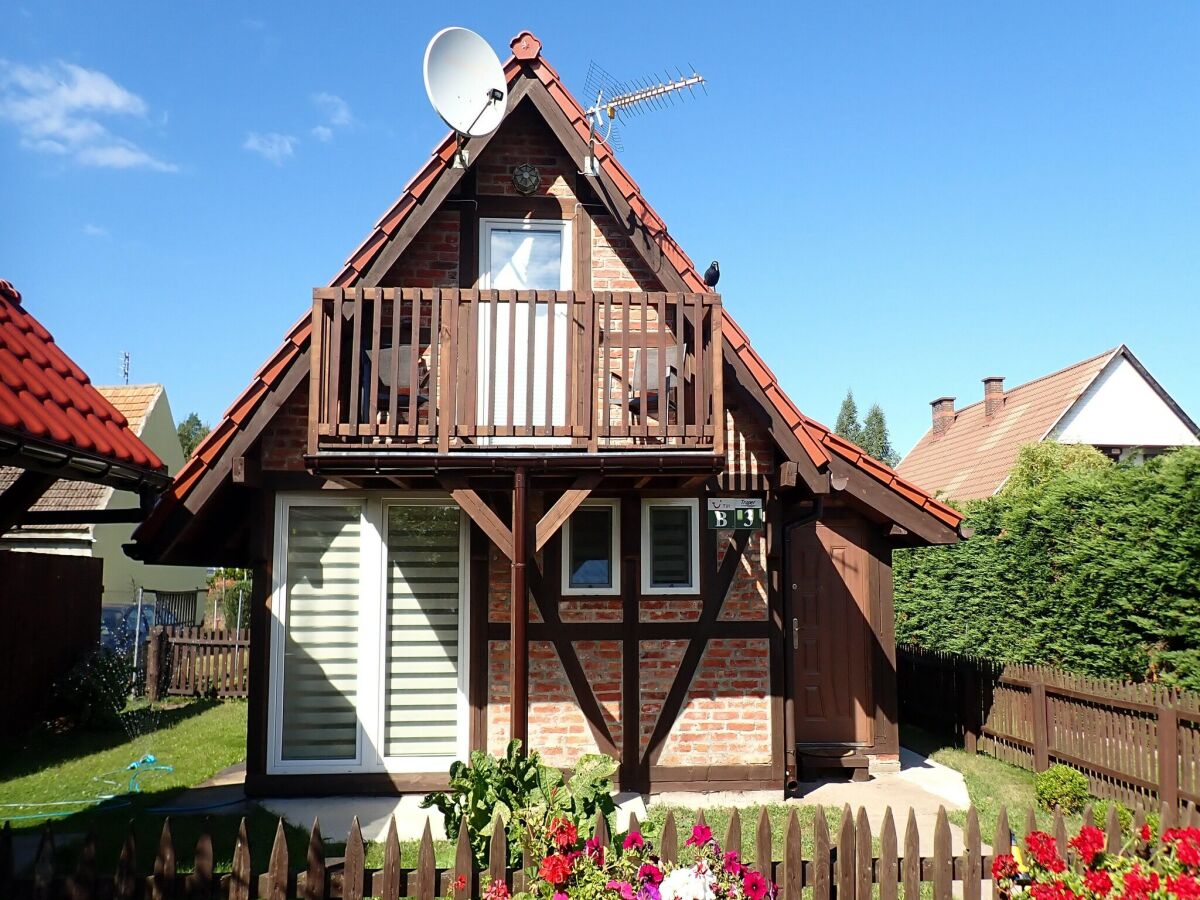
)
(451, 370)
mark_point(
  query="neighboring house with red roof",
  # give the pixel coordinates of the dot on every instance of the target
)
(148, 414)
(54, 426)
(1109, 401)
(534, 394)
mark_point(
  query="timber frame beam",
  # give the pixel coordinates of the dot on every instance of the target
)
(557, 514)
(21, 495)
(482, 515)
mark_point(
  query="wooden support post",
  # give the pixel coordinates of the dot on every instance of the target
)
(1168, 757)
(971, 708)
(519, 616)
(154, 657)
(1041, 731)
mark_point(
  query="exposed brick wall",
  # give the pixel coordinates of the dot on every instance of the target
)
(285, 439)
(749, 450)
(727, 719)
(525, 138)
(431, 260)
(747, 598)
(616, 266)
(658, 662)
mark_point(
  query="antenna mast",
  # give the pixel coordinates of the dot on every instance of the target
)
(125, 366)
(622, 99)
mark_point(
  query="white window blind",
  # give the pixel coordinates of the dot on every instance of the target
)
(423, 599)
(320, 660)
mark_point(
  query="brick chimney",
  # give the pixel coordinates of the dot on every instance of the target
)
(943, 416)
(993, 395)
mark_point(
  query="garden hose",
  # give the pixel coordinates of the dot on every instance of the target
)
(147, 765)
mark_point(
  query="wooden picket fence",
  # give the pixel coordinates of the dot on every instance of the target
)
(197, 662)
(841, 866)
(1137, 743)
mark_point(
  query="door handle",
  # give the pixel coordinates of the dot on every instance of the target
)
(795, 634)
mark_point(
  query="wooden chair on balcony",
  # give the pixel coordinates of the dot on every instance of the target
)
(382, 370)
(646, 399)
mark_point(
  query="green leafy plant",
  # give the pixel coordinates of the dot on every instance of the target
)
(523, 794)
(1061, 787)
(1124, 815)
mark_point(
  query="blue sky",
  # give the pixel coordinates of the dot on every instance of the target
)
(904, 197)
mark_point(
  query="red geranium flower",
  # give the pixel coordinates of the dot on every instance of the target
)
(701, 835)
(555, 868)
(1139, 886)
(1186, 843)
(1185, 887)
(1089, 843)
(754, 885)
(460, 883)
(1147, 834)
(1044, 851)
(1098, 882)
(563, 832)
(1004, 866)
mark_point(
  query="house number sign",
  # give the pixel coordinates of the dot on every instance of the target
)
(735, 512)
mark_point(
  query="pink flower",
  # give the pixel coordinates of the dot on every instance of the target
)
(633, 839)
(701, 835)
(560, 895)
(754, 885)
(624, 888)
(595, 850)
(650, 872)
(733, 865)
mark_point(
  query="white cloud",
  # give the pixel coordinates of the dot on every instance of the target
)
(322, 133)
(95, 231)
(57, 108)
(336, 110)
(272, 146)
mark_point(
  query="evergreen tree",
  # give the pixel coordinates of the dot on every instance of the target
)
(191, 432)
(848, 425)
(875, 438)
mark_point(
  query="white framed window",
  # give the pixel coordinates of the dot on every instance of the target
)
(670, 545)
(369, 634)
(591, 556)
(525, 254)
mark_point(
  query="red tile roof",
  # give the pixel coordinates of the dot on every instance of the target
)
(973, 458)
(816, 439)
(45, 396)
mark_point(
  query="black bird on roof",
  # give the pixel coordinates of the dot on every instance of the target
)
(713, 274)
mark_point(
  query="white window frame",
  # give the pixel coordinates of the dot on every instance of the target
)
(275, 761)
(372, 637)
(567, 589)
(487, 225)
(691, 503)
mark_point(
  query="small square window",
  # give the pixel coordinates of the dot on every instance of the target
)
(670, 546)
(591, 564)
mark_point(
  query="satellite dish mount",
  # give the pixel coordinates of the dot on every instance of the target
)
(466, 86)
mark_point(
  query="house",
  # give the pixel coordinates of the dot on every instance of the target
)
(148, 415)
(522, 387)
(1109, 401)
(54, 426)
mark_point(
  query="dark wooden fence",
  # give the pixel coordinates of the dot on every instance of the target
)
(50, 607)
(842, 865)
(197, 662)
(1137, 743)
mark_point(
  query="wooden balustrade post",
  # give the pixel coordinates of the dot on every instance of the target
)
(154, 656)
(1041, 731)
(1168, 756)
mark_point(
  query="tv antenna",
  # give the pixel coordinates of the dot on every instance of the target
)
(616, 99)
(125, 366)
(466, 85)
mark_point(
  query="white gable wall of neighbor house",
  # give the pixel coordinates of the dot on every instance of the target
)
(1122, 409)
(122, 575)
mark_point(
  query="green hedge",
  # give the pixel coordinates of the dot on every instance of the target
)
(1077, 563)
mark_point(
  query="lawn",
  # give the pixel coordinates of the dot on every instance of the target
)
(60, 777)
(991, 784)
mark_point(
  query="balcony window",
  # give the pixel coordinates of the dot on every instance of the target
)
(671, 546)
(591, 560)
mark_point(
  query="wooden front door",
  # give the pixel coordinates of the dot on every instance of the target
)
(830, 635)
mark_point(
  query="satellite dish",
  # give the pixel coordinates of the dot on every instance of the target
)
(465, 82)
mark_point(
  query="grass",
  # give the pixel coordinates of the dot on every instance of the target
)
(73, 769)
(991, 784)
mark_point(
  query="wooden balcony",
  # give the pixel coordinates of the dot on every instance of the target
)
(469, 371)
